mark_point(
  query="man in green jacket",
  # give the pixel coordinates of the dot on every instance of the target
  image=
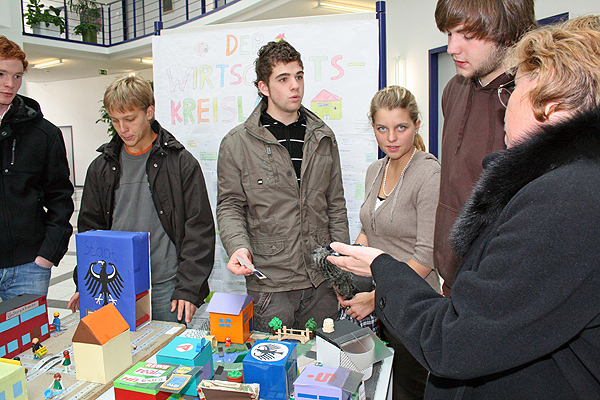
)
(280, 196)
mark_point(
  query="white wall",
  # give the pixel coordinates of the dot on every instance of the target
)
(76, 103)
(411, 33)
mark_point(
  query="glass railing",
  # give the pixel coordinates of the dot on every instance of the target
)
(108, 24)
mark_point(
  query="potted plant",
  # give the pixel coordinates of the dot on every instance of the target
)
(104, 117)
(37, 14)
(90, 19)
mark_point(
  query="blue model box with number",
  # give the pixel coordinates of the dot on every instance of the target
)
(191, 352)
(274, 366)
(114, 267)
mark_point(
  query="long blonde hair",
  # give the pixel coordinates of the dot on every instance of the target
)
(393, 97)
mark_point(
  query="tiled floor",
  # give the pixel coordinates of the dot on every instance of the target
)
(62, 286)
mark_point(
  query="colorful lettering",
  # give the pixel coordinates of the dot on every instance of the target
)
(177, 83)
(229, 51)
(201, 110)
(335, 65)
(317, 61)
(188, 107)
(175, 112)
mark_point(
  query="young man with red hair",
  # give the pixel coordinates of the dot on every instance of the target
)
(35, 191)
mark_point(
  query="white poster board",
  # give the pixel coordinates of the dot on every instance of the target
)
(203, 82)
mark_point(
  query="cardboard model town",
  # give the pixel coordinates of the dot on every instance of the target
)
(114, 282)
(185, 365)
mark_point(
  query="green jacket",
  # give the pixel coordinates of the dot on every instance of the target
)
(261, 207)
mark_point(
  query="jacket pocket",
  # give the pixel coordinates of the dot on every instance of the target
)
(267, 247)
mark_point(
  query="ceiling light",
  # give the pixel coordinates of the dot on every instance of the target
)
(48, 64)
(344, 7)
(146, 60)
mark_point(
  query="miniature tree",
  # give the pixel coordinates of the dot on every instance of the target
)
(311, 325)
(275, 324)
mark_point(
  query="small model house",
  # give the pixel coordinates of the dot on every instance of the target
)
(219, 390)
(274, 366)
(12, 380)
(189, 352)
(114, 267)
(22, 318)
(151, 381)
(350, 347)
(326, 383)
(327, 105)
(231, 315)
(102, 346)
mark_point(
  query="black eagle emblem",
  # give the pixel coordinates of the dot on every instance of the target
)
(106, 285)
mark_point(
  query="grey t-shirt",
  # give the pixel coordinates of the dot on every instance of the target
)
(135, 212)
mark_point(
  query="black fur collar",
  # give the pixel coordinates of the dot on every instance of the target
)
(507, 171)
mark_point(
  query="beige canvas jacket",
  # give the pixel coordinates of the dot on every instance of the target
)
(261, 207)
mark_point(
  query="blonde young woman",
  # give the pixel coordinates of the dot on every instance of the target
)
(398, 214)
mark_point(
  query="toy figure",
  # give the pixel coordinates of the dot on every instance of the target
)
(56, 321)
(66, 361)
(37, 349)
(227, 341)
(55, 389)
(57, 385)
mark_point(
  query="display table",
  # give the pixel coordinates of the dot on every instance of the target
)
(146, 341)
(377, 387)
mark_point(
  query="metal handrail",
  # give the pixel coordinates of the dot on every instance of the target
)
(119, 22)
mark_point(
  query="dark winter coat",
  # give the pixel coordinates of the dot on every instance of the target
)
(524, 318)
(36, 194)
(181, 201)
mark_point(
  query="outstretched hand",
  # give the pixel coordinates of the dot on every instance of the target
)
(356, 259)
(234, 264)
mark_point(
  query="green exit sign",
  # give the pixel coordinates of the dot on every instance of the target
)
(103, 71)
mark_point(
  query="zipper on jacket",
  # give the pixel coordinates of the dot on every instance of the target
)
(12, 157)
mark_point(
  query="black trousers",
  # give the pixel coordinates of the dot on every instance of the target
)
(409, 377)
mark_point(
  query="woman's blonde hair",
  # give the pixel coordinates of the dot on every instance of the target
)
(393, 97)
(128, 93)
(565, 59)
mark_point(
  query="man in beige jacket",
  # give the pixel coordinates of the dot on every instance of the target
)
(280, 196)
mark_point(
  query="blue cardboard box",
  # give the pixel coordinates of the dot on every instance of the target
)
(114, 267)
(274, 366)
(193, 353)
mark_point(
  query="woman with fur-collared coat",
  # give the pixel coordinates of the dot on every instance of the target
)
(524, 318)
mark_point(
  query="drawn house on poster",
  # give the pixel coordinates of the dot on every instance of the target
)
(21, 319)
(231, 315)
(327, 105)
(102, 346)
(114, 267)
